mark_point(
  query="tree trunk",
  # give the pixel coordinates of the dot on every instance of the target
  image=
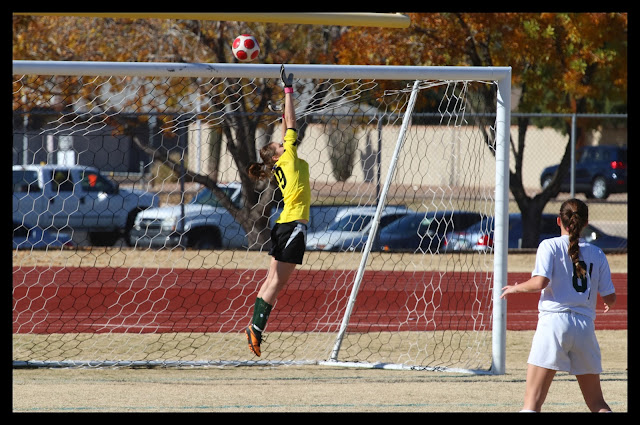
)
(531, 208)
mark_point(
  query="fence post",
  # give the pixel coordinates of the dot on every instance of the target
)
(573, 155)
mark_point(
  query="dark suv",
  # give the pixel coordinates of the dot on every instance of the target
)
(600, 171)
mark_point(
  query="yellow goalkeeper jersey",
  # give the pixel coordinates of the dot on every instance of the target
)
(292, 175)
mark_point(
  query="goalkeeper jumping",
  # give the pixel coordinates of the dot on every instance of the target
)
(289, 234)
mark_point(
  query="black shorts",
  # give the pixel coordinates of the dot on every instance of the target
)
(288, 242)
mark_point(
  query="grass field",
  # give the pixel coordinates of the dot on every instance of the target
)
(258, 389)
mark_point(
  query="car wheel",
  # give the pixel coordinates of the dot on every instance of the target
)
(103, 238)
(599, 188)
(205, 239)
(129, 225)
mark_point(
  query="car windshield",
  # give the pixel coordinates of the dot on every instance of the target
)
(94, 182)
(351, 223)
(206, 197)
(409, 224)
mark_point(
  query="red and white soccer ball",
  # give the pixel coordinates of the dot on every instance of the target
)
(245, 48)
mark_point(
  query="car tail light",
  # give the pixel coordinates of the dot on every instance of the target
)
(485, 240)
(618, 165)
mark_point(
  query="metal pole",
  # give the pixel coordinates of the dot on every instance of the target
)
(374, 223)
(351, 19)
(251, 70)
(25, 136)
(503, 124)
(573, 155)
(379, 158)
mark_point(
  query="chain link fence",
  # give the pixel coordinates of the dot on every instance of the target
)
(544, 146)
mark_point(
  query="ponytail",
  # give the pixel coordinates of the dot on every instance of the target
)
(574, 215)
(258, 171)
(264, 170)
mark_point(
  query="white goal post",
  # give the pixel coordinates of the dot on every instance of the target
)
(434, 162)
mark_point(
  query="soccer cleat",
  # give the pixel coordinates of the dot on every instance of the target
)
(254, 340)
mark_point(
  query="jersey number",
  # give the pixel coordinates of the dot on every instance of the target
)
(282, 180)
(580, 283)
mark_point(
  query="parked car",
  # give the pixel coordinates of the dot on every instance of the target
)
(479, 237)
(423, 232)
(320, 216)
(202, 223)
(26, 237)
(599, 171)
(351, 227)
(78, 198)
(597, 237)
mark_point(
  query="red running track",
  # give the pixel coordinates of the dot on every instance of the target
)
(100, 300)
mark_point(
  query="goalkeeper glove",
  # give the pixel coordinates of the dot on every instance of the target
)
(286, 80)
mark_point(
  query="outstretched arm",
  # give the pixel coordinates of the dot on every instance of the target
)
(289, 111)
(289, 107)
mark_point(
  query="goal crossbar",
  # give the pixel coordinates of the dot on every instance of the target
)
(234, 70)
(364, 19)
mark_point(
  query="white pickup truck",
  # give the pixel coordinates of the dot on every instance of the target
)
(76, 198)
(204, 223)
(201, 224)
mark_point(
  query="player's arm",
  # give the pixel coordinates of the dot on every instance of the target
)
(609, 301)
(289, 107)
(606, 285)
(284, 127)
(536, 284)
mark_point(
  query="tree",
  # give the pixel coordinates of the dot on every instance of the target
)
(562, 63)
(105, 39)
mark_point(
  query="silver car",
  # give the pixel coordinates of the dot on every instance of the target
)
(351, 227)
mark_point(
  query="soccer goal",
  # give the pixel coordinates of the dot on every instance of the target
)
(176, 283)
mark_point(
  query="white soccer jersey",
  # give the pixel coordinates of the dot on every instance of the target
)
(566, 291)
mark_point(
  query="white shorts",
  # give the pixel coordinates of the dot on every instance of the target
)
(566, 341)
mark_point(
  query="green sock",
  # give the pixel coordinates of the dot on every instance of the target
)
(261, 312)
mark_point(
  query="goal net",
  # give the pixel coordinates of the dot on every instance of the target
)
(175, 282)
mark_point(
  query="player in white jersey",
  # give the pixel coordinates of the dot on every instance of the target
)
(570, 273)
